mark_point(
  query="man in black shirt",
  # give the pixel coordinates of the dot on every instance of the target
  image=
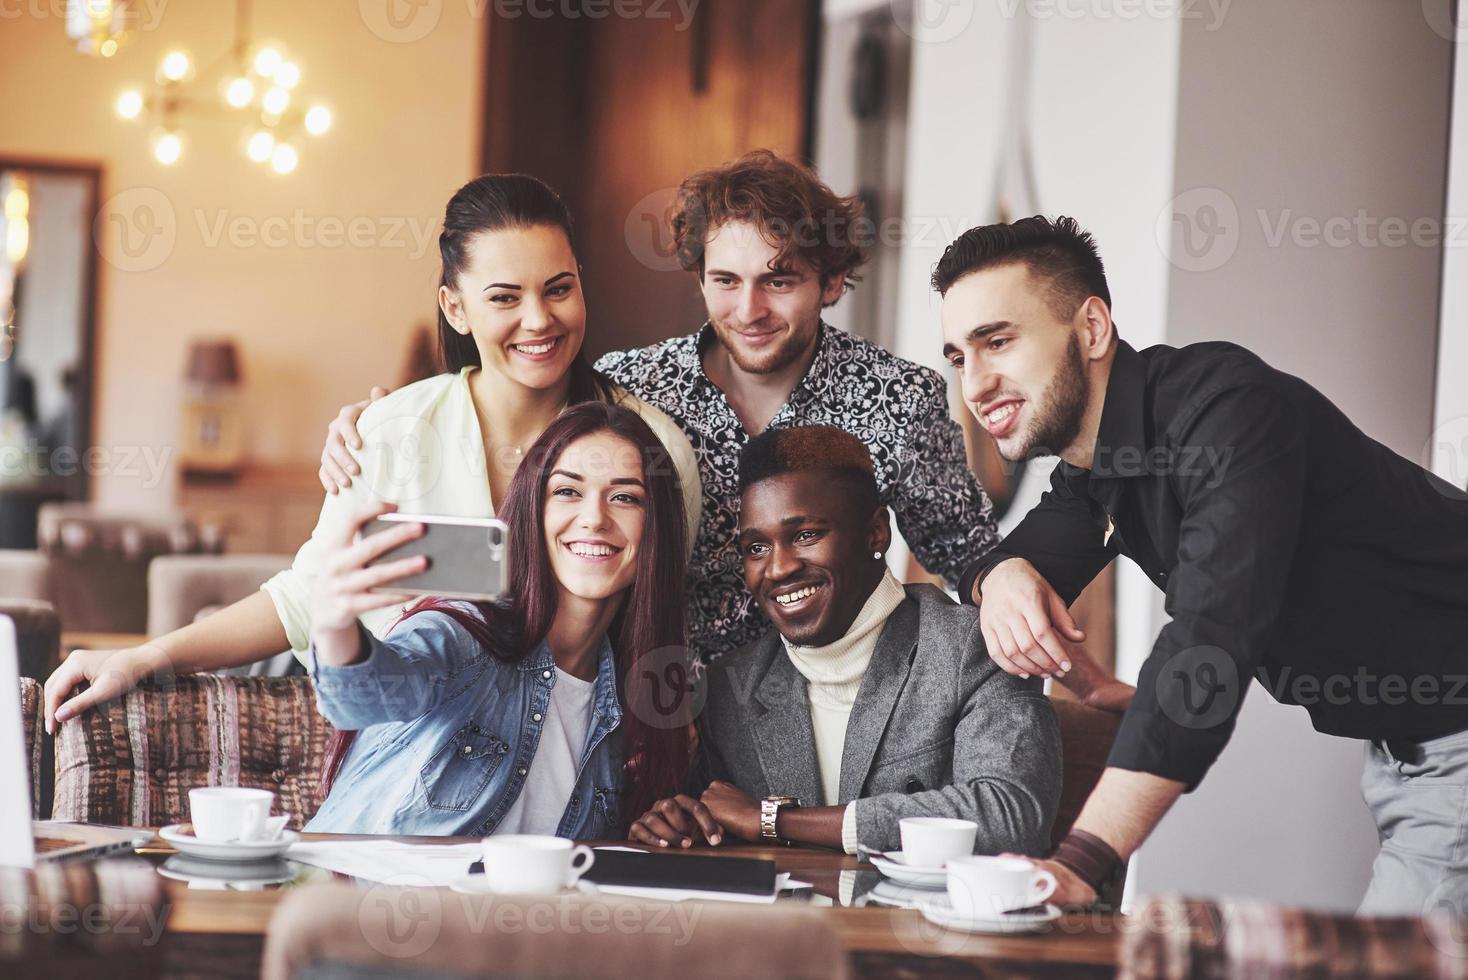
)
(1291, 547)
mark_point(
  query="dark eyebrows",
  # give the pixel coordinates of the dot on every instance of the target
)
(794, 520)
(516, 286)
(977, 334)
(621, 481)
(790, 273)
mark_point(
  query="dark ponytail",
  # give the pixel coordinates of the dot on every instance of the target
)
(496, 202)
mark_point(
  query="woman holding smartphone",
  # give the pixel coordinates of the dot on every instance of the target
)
(540, 714)
(511, 320)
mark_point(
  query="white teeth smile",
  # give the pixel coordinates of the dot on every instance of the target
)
(535, 348)
(590, 550)
(796, 596)
(1001, 414)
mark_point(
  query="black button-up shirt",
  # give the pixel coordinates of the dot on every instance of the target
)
(1292, 549)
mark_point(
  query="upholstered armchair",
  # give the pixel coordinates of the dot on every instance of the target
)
(37, 634)
(133, 761)
(186, 588)
(33, 731)
(98, 562)
(341, 932)
(1086, 735)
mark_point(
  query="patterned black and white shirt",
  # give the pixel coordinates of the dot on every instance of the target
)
(898, 408)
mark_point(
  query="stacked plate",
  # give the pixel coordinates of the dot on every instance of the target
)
(181, 836)
(926, 889)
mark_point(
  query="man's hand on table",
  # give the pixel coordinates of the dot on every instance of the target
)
(679, 820)
(734, 809)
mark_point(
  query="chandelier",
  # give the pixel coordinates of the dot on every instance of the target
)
(99, 27)
(258, 81)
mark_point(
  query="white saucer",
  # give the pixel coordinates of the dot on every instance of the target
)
(937, 910)
(185, 842)
(478, 885)
(895, 866)
(896, 895)
(229, 874)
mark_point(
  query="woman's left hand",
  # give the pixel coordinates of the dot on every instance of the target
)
(735, 810)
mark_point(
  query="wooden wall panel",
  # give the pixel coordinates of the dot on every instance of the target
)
(615, 112)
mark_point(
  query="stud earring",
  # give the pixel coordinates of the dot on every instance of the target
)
(877, 555)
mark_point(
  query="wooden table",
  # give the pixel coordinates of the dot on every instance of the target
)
(221, 932)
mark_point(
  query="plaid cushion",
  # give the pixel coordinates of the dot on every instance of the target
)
(1171, 938)
(133, 762)
(32, 703)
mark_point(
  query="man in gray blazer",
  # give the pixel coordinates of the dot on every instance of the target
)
(867, 701)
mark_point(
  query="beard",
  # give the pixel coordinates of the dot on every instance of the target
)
(796, 344)
(1061, 408)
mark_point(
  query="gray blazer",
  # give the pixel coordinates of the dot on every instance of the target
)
(937, 730)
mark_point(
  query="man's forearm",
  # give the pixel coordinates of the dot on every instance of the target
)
(819, 825)
(1126, 806)
(239, 634)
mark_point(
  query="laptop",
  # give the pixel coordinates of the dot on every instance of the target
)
(48, 840)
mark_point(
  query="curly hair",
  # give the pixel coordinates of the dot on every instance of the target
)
(787, 202)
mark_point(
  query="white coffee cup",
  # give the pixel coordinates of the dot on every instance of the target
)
(233, 813)
(531, 864)
(929, 842)
(979, 885)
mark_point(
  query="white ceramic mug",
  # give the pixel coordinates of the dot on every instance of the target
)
(979, 885)
(930, 842)
(531, 864)
(233, 813)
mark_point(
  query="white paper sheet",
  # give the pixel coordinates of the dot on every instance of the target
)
(441, 865)
(391, 862)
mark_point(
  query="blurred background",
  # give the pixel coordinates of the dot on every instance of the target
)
(220, 225)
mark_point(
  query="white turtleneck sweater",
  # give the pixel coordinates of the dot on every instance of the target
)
(833, 675)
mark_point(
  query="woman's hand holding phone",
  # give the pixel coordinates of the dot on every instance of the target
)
(343, 590)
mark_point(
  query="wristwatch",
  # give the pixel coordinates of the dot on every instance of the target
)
(769, 812)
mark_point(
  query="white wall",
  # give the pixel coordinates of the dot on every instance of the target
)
(1102, 146)
(1449, 448)
(318, 316)
(1287, 114)
(1325, 108)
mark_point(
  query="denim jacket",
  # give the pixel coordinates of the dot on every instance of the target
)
(448, 733)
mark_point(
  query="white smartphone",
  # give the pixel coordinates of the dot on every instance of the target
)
(468, 557)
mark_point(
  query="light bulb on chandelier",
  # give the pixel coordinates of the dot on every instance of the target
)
(258, 77)
(284, 159)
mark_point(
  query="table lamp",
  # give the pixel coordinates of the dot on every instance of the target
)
(211, 442)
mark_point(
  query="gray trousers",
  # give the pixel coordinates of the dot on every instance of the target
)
(1418, 794)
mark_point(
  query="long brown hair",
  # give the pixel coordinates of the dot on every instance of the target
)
(647, 634)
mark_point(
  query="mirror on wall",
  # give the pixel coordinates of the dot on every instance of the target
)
(47, 311)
